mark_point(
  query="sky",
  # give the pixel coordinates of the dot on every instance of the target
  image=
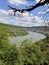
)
(27, 19)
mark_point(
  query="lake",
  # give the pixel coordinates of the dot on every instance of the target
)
(33, 36)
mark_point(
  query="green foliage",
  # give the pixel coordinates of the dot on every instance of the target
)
(1, 63)
(27, 54)
(7, 30)
(33, 54)
(11, 56)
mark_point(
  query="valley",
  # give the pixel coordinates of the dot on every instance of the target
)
(36, 53)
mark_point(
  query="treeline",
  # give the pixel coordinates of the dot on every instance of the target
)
(9, 30)
(26, 54)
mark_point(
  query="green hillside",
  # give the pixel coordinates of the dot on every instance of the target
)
(9, 30)
(27, 54)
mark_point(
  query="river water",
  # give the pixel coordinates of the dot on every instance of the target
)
(33, 36)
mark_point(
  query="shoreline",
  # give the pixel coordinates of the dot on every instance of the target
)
(33, 36)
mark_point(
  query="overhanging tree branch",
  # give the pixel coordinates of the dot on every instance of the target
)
(30, 8)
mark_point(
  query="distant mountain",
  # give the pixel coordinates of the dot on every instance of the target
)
(24, 27)
(8, 25)
(34, 28)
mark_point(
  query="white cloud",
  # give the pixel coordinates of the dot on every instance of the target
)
(17, 2)
(21, 19)
(3, 13)
(10, 12)
(47, 9)
(24, 2)
(38, 1)
(42, 12)
(3, 20)
(28, 20)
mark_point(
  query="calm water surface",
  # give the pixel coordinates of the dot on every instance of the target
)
(33, 36)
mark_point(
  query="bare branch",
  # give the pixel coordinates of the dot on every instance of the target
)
(30, 8)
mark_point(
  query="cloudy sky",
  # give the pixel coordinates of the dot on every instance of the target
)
(27, 19)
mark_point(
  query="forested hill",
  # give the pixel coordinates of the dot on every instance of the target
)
(10, 30)
(33, 28)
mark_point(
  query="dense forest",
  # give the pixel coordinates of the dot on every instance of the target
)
(26, 54)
